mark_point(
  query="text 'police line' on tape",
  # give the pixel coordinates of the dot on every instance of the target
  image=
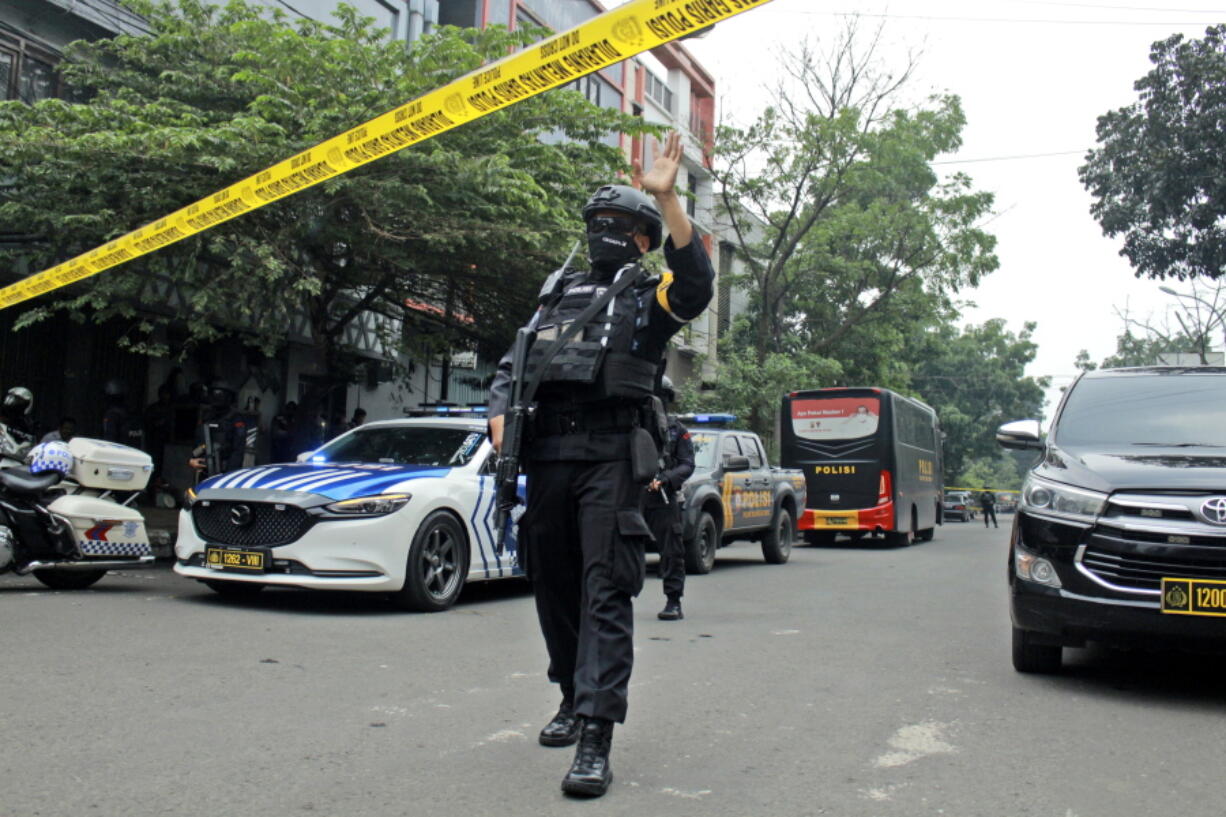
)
(604, 40)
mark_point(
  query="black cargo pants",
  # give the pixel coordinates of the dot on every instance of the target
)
(583, 537)
(665, 523)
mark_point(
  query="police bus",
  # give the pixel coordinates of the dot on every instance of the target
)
(871, 460)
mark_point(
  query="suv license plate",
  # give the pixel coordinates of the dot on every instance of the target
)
(249, 561)
(1194, 597)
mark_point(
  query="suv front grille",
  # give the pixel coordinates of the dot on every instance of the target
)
(268, 524)
(1135, 571)
(1142, 538)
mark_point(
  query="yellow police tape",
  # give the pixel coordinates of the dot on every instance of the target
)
(604, 40)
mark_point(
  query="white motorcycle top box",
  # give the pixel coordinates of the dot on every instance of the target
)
(109, 466)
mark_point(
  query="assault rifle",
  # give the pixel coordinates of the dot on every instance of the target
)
(506, 477)
(519, 411)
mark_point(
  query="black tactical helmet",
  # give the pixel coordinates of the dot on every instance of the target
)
(222, 394)
(624, 199)
(667, 393)
(19, 400)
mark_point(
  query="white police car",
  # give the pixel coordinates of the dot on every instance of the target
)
(404, 507)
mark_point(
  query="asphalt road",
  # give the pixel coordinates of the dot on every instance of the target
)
(850, 681)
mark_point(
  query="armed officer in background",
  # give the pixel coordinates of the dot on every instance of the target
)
(662, 507)
(221, 434)
(582, 535)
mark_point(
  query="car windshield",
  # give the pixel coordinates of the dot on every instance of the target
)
(404, 445)
(706, 445)
(1177, 410)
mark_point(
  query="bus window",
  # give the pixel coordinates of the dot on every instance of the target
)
(836, 418)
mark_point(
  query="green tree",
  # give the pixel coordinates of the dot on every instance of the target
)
(469, 220)
(999, 472)
(853, 243)
(1158, 176)
(975, 379)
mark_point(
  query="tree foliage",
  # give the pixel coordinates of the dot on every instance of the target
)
(852, 241)
(470, 219)
(975, 379)
(1159, 174)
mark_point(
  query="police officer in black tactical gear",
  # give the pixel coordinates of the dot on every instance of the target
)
(221, 435)
(662, 507)
(582, 536)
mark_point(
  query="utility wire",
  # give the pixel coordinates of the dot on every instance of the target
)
(1116, 8)
(1010, 158)
(1011, 20)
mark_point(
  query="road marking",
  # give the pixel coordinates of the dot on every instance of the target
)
(687, 795)
(911, 743)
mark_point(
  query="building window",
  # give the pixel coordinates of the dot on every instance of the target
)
(691, 187)
(27, 72)
(659, 91)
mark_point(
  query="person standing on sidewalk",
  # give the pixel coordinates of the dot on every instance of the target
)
(662, 507)
(987, 502)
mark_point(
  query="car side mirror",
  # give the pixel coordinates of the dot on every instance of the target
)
(1020, 434)
(732, 462)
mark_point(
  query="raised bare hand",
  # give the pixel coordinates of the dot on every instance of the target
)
(662, 178)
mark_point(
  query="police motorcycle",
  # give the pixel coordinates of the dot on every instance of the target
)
(60, 518)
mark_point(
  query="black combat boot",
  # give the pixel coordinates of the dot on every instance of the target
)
(590, 774)
(671, 611)
(563, 730)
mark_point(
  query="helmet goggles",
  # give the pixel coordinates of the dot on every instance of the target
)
(613, 224)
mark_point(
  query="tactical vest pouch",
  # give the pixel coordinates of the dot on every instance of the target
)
(628, 376)
(644, 456)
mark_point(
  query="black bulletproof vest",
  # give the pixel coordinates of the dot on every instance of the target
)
(607, 359)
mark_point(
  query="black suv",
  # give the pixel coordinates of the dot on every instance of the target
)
(1120, 533)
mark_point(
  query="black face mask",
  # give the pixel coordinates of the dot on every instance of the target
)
(609, 252)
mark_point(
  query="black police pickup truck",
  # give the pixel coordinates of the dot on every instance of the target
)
(734, 493)
(1120, 532)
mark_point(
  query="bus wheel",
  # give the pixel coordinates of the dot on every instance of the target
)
(902, 539)
(925, 535)
(777, 541)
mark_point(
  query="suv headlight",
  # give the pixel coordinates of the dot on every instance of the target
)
(1042, 496)
(380, 505)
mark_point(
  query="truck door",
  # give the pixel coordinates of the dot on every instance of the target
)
(734, 484)
(758, 502)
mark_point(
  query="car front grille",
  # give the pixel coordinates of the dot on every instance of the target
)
(249, 523)
(1135, 571)
(1142, 538)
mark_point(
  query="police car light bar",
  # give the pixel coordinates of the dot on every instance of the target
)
(446, 411)
(708, 419)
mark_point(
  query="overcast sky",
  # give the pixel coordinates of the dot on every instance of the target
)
(1033, 76)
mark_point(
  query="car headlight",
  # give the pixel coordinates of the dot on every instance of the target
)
(1049, 498)
(380, 505)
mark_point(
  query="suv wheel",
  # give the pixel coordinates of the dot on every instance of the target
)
(1034, 658)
